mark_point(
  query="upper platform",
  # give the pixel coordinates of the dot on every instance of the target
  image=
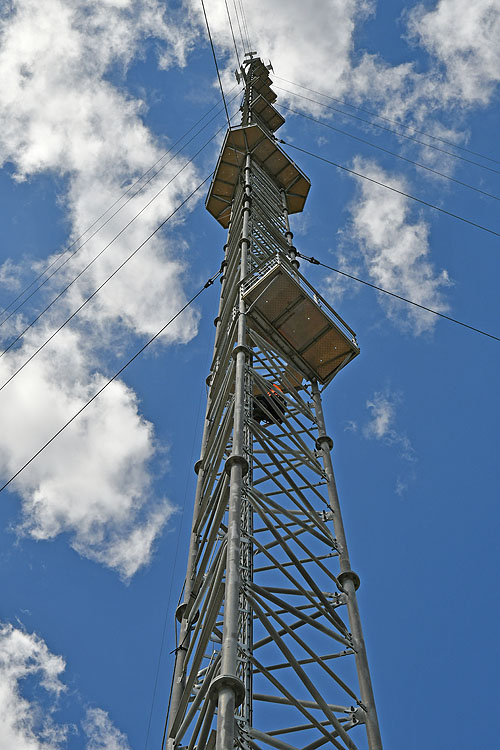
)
(263, 148)
(285, 309)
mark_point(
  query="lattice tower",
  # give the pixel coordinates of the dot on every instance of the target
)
(270, 650)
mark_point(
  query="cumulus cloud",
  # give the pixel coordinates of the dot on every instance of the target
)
(463, 37)
(53, 59)
(92, 482)
(28, 724)
(60, 113)
(394, 249)
(102, 733)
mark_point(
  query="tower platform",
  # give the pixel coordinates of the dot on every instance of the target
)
(254, 140)
(287, 310)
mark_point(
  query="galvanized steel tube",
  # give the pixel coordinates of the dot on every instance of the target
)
(348, 581)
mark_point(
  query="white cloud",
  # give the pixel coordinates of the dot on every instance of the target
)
(383, 412)
(350, 426)
(463, 36)
(101, 732)
(319, 56)
(460, 38)
(28, 724)
(335, 285)
(394, 249)
(382, 424)
(93, 481)
(9, 275)
(402, 484)
(60, 113)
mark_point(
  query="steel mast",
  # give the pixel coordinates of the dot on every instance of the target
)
(266, 657)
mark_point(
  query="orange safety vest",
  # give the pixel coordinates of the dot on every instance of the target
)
(275, 387)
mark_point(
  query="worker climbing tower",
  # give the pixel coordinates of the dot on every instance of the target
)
(270, 650)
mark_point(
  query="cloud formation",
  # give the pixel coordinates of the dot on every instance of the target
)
(393, 248)
(463, 38)
(28, 724)
(460, 39)
(102, 733)
(60, 113)
(93, 482)
(382, 424)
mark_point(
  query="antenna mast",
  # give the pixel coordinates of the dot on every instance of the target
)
(270, 636)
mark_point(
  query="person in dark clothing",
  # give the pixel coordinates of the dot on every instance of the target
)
(269, 407)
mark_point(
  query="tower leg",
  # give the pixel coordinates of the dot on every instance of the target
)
(349, 581)
(236, 465)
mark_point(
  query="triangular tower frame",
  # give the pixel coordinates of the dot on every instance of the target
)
(265, 656)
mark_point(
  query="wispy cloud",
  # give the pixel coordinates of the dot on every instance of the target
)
(383, 426)
(382, 423)
(102, 733)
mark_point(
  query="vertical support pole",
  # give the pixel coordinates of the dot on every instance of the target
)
(229, 687)
(348, 579)
(184, 634)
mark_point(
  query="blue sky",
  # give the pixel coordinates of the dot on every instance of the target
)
(94, 533)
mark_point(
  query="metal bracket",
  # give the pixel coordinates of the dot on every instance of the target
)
(358, 715)
(179, 612)
(231, 682)
(326, 515)
(338, 598)
(324, 439)
(349, 575)
(234, 461)
(241, 348)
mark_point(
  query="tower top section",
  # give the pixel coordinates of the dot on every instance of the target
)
(255, 136)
